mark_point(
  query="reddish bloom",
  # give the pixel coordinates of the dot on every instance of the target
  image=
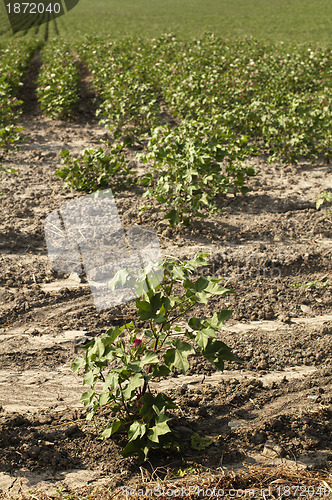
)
(137, 342)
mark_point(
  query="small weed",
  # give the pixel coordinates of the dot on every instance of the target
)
(312, 284)
(7, 171)
(324, 198)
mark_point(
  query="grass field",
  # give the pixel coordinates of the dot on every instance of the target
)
(281, 20)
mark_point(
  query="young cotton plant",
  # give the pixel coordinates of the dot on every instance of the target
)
(324, 198)
(120, 364)
(6, 171)
(95, 169)
(187, 173)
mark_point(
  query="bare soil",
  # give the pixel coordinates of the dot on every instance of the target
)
(275, 408)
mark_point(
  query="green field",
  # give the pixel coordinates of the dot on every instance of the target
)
(280, 20)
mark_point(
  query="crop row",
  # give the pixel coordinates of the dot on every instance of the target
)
(280, 100)
(198, 110)
(186, 173)
(58, 81)
(203, 107)
(130, 97)
(14, 60)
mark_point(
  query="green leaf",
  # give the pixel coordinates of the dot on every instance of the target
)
(177, 357)
(149, 334)
(196, 323)
(200, 443)
(217, 352)
(207, 287)
(159, 318)
(87, 397)
(88, 378)
(173, 217)
(219, 318)
(319, 203)
(163, 401)
(201, 297)
(104, 399)
(111, 429)
(161, 371)
(64, 153)
(134, 382)
(77, 364)
(160, 428)
(112, 334)
(91, 414)
(156, 301)
(136, 430)
(148, 401)
(202, 337)
(138, 447)
(201, 284)
(149, 358)
(97, 348)
(144, 309)
(120, 279)
(135, 366)
(143, 305)
(214, 288)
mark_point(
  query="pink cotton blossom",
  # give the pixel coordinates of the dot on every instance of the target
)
(137, 342)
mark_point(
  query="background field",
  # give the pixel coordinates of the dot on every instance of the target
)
(283, 20)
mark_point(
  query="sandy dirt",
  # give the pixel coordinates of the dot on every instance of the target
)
(274, 408)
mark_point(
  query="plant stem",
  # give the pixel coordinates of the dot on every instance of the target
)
(123, 401)
(181, 314)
